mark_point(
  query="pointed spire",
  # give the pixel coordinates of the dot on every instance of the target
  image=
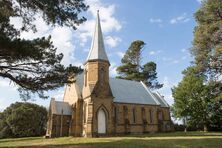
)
(97, 50)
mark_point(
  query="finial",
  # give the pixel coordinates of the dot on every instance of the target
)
(97, 11)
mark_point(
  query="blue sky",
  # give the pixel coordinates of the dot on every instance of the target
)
(166, 26)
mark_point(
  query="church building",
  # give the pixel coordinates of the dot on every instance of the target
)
(97, 105)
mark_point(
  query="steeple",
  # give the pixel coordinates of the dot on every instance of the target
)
(97, 51)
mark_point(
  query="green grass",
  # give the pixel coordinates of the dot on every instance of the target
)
(162, 140)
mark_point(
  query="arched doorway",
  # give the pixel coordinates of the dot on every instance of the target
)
(101, 122)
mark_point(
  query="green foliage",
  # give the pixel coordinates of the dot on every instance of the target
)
(196, 101)
(198, 97)
(187, 90)
(207, 44)
(23, 120)
(131, 68)
(33, 64)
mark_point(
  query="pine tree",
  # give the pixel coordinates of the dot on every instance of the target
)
(131, 68)
(33, 65)
(207, 43)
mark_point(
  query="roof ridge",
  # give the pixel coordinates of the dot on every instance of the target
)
(124, 79)
(161, 97)
(158, 103)
(61, 102)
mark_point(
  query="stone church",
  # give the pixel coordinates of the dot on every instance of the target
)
(97, 105)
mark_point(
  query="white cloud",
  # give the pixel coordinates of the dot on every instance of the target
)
(63, 37)
(183, 50)
(184, 57)
(17, 21)
(112, 69)
(180, 19)
(151, 52)
(120, 54)
(175, 62)
(4, 103)
(153, 20)
(171, 60)
(106, 12)
(58, 95)
(166, 59)
(167, 84)
(112, 41)
(200, 1)
(166, 90)
(155, 52)
(5, 83)
(109, 23)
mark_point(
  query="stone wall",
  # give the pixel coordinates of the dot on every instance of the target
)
(134, 118)
(124, 118)
(106, 104)
(60, 125)
(72, 93)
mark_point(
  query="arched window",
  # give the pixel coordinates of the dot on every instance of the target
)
(125, 109)
(151, 116)
(101, 116)
(84, 113)
(143, 113)
(134, 115)
(86, 77)
(102, 76)
(160, 115)
(115, 114)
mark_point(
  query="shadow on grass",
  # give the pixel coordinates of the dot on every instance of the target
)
(130, 143)
(20, 139)
(176, 134)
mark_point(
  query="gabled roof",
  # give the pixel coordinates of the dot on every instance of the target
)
(97, 51)
(59, 107)
(160, 99)
(79, 80)
(126, 91)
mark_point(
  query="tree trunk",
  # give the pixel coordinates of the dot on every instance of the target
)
(185, 130)
(205, 122)
(205, 128)
(185, 123)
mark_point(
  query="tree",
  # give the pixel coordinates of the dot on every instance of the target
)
(207, 43)
(131, 68)
(186, 96)
(214, 92)
(207, 50)
(23, 119)
(196, 101)
(33, 64)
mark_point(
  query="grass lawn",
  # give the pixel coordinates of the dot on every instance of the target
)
(163, 140)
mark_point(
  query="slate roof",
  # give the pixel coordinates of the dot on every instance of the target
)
(80, 80)
(126, 91)
(161, 100)
(97, 50)
(58, 106)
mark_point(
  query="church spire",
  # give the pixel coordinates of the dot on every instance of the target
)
(97, 51)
